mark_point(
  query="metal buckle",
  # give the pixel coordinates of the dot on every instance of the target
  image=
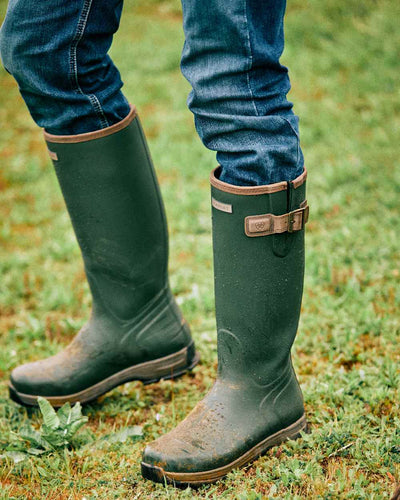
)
(291, 218)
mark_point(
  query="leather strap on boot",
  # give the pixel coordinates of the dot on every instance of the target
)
(264, 225)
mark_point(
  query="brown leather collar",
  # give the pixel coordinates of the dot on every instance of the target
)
(253, 190)
(97, 134)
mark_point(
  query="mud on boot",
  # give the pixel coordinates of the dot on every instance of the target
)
(256, 401)
(136, 331)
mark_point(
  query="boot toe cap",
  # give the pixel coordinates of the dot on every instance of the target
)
(172, 455)
(191, 448)
(31, 378)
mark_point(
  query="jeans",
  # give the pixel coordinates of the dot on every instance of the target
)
(57, 52)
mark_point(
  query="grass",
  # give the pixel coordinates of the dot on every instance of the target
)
(344, 62)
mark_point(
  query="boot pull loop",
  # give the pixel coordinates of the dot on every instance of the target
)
(289, 196)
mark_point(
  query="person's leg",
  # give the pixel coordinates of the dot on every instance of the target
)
(58, 54)
(231, 57)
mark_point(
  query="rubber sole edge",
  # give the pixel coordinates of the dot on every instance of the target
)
(166, 368)
(193, 479)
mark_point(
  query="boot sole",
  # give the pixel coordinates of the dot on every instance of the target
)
(169, 367)
(184, 479)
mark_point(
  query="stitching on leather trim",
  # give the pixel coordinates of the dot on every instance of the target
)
(255, 190)
(97, 134)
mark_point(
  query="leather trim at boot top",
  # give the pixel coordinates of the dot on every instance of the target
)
(97, 134)
(254, 190)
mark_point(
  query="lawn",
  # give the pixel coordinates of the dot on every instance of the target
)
(344, 60)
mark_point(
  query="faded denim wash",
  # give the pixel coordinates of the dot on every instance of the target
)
(57, 52)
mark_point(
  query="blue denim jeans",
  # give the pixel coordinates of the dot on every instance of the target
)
(57, 52)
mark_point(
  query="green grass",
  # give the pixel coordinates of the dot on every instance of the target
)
(344, 60)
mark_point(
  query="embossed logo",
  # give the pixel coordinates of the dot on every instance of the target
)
(223, 207)
(258, 225)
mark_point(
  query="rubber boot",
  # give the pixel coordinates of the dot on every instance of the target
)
(256, 401)
(136, 331)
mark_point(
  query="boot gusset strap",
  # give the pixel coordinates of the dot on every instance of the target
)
(266, 224)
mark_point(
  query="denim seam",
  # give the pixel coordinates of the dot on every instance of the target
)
(298, 140)
(73, 63)
(250, 57)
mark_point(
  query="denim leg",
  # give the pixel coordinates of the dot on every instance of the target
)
(57, 52)
(231, 59)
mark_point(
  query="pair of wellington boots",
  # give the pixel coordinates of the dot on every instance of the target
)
(136, 331)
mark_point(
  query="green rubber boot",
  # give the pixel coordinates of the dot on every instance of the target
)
(136, 331)
(256, 401)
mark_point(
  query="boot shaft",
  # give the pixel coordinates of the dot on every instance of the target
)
(256, 401)
(109, 186)
(259, 270)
